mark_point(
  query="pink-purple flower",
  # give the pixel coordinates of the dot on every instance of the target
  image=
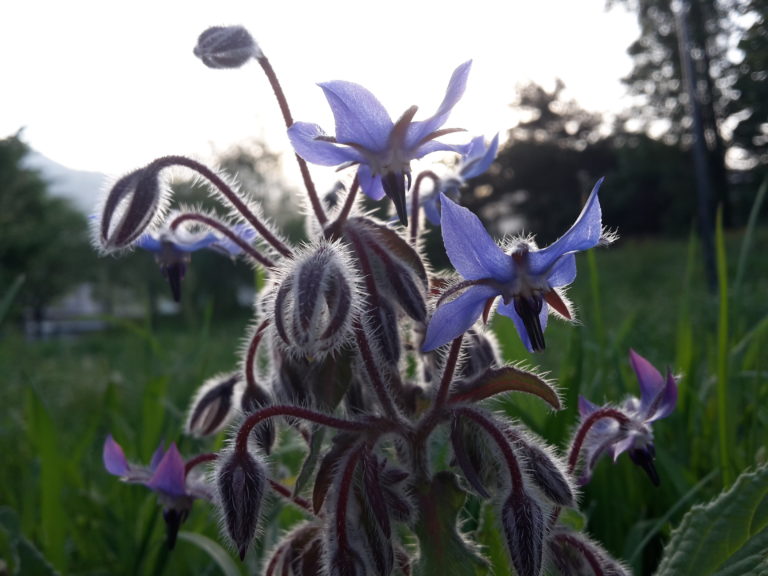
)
(166, 475)
(658, 397)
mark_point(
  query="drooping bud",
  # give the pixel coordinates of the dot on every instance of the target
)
(574, 553)
(315, 302)
(396, 269)
(545, 473)
(480, 354)
(213, 405)
(523, 522)
(130, 206)
(241, 480)
(226, 47)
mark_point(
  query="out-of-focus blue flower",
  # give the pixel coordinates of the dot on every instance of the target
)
(474, 161)
(173, 250)
(165, 475)
(366, 136)
(527, 279)
(658, 397)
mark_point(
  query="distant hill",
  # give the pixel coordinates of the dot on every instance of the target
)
(81, 187)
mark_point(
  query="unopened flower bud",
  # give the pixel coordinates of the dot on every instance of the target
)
(523, 523)
(226, 47)
(213, 406)
(545, 473)
(241, 480)
(131, 205)
(315, 303)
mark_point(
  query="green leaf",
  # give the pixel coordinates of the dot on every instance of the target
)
(442, 549)
(728, 536)
(507, 379)
(214, 550)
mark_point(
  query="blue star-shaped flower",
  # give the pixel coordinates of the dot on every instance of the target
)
(475, 160)
(658, 397)
(166, 476)
(366, 136)
(527, 279)
(173, 250)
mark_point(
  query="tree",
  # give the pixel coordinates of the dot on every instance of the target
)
(43, 239)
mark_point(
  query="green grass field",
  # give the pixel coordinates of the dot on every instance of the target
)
(61, 397)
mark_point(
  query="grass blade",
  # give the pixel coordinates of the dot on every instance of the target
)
(722, 352)
(220, 556)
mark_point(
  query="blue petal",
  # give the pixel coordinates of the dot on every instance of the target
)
(360, 117)
(193, 245)
(586, 407)
(114, 458)
(436, 146)
(304, 139)
(584, 234)
(563, 272)
(478, 158)
(370, 183)
(417, 131)
(456, 317)
(509, 311)
(149, 243)
(658, 395)
(471, 250)
(169, 476)
(431, 207)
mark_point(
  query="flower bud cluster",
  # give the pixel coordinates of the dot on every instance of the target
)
(379, 367)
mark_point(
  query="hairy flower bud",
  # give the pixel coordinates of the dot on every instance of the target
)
(523, 523)
(130, 206)
(226, 47)
(213, 406)
(314, 303)
(253, 398)
(545, 473)
(241, 480)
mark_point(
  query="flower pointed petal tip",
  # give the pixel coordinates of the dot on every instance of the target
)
(114, 458)
(586, 407)
(472, 251)
(658, 395)
(456, 317)
(359, 116)
(311, 143)
(479, 158)
(169, 476)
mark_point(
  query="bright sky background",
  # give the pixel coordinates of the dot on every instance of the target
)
(107, 86)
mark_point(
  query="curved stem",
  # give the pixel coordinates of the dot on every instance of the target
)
(228, 193)
(415, 201)
(341, 503)
(586, 426)
(282, 101)
(241, 443)
(501, 441)
(349, 201)
(226, 231)
(250, 356)
(448, 371)
(589, 555)
(197, 460)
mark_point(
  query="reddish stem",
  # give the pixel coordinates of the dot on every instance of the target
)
(448, 371)
(282, 101)
(224, 229)
(197, 460)
(288, 495)
(586, 426)
(250, 356)
(415, 201)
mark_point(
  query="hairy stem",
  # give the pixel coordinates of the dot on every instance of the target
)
(226, 231)
(229, 194)
(282, 101)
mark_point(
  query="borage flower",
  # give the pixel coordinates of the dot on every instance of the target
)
(367, 137)
(173, 250)
(166, 476)
(475, 160)
(527, 279)
(658, 396)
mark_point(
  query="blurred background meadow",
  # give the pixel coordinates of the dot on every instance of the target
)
(92, 345)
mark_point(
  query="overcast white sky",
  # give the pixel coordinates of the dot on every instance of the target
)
(108, 86)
